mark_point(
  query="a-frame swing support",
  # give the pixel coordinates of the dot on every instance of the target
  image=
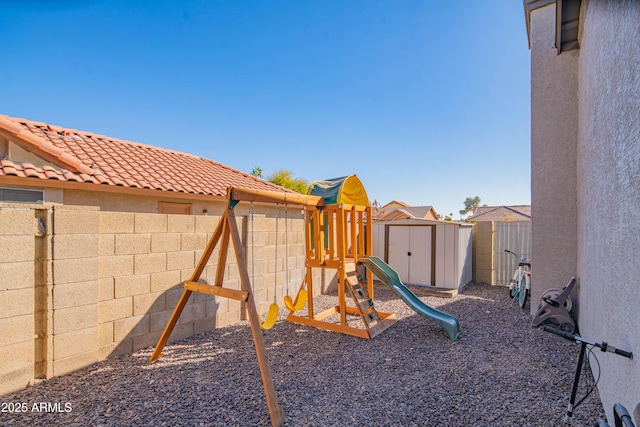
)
(226, 231)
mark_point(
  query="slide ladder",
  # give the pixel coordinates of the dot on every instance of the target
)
(364, 305)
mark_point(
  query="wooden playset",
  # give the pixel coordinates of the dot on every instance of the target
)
(337, 235)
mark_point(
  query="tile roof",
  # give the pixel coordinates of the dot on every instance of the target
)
(501, 213)
(97, 159)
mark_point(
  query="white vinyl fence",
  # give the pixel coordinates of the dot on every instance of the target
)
(515, 236)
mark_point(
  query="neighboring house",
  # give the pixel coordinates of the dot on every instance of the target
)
(585, 173)
(409, 212)
(394, 204)
(40, 163)
(495, 229)
(501, 213)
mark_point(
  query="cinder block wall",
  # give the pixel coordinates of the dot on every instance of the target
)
(78, 285)
(17, 294)
(482, 248)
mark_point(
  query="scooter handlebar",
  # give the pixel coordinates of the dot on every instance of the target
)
(604, 346)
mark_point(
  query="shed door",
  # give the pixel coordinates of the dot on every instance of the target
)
(410, 253)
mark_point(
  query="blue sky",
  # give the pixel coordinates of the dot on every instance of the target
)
(426, 101)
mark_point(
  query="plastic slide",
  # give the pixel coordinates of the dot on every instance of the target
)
(389, 277)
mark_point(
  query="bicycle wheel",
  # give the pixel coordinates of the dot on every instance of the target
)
(513, 286)
(522, 291)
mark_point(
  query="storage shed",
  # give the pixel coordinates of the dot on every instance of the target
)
(426, 252)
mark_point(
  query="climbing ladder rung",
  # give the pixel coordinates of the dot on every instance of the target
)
(365, 305)
(371, 317)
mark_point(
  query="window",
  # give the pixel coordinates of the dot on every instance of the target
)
(19, 195)
(174, 208)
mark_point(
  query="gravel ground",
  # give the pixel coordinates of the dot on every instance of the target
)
(501, 372)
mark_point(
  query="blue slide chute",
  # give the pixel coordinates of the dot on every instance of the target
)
(389, 277)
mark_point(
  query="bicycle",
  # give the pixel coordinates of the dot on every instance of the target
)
(568, 417)
(520, 285)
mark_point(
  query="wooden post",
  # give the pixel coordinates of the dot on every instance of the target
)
(275, 410)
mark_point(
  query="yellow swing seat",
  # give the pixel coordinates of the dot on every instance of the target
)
(301, 300)
(272, 316)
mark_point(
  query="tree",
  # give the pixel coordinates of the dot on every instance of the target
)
(257, 172)
(284, 178)
(470, 205)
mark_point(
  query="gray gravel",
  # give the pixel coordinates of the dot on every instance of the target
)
(501, 372)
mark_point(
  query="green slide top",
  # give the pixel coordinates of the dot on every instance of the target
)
(390, 277)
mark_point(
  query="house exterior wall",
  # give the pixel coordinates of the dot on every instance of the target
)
(609, 190)
(554, 135)
(603, 73)
(90, 284)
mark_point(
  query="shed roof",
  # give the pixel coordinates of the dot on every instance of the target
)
(85, 157)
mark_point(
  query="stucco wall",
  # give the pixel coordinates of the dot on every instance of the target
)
(554, 134)
(609, 192)
(78, 285)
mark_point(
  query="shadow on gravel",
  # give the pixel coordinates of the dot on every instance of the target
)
(501, 372)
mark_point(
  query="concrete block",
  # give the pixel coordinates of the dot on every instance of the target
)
(150, 223)
(204, 325)
(180, 260)
(15, 380)
(226, 319)
(165, 280)
(75, 319)
(16, 357)
(16, 248)
(192, 312)
(75, 362)
(181, 223)
(75, 270)
(117, 222)
(172, 296)
(75, 343)
(105, 333)
(76, 245)
(193, 241)
(181, 332)
(132, 244)
(149, 263)
(16, 302)
(125, 286)
(165, 242)
(216, 306)
(147, 303)
(116, 265)
(146, 341)
(130, 327)
(114, 309)
(16, 329)
(16, 275)
(206, 223)
(107, 244)
(116, 349)
(105, 288)
(159, 319)
(76, 220)
(75, 294)
(17, 222)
